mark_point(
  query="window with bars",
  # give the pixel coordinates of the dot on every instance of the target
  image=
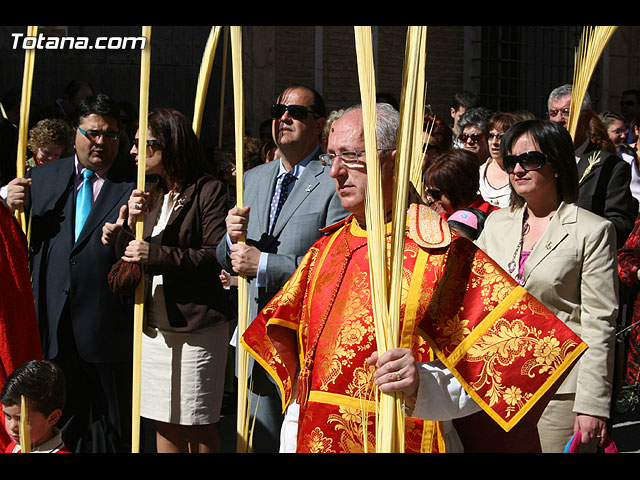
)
(516, 67)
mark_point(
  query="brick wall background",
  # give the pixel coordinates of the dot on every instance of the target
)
(273, 56)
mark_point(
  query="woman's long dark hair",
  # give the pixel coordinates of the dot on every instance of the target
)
(182, 155)
(555, 142)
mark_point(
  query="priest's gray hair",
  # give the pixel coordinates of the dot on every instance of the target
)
(387, 124)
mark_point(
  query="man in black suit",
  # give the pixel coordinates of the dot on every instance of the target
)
(84, 328)
(605, 178)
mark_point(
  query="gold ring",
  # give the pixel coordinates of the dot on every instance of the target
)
(398, 377)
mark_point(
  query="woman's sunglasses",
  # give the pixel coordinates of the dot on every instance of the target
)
(434, 193)
(528, 161)
(474, 137)
(297, 112)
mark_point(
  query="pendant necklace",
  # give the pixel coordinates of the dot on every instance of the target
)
(512, 265)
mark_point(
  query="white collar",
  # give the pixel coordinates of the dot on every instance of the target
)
(298, 168)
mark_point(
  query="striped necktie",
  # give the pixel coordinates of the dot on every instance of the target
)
(84, 200)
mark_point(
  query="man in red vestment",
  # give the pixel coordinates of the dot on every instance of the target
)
(19, 337)
(472, 341)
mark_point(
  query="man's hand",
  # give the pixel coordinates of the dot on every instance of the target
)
(137, 252)
(591, 428)
(110, 230)
(17, 192)
(227, 279)
(237, 221)
(396, 370)
(245, 259)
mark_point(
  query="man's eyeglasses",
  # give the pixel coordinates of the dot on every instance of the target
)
(297, 112)
(93, 135)
(348, 157)
(497, 136)
(555, 113)
(474, 137)
(150, 143)
(528, 161)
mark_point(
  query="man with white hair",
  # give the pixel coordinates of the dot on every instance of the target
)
(559, 104)
(604, 178)
(317, 338)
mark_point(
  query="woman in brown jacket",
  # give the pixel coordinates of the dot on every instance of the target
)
(184, 345)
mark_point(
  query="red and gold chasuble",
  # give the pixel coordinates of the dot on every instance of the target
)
(504, 346)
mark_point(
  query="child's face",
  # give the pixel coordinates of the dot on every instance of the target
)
(49, 152)
(40, 426)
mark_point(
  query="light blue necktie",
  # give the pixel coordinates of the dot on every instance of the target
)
(84, 200)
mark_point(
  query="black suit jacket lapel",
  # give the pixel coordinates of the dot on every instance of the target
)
(585, 171)
(110, 195)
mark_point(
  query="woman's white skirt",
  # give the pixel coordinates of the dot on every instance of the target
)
(182, 374)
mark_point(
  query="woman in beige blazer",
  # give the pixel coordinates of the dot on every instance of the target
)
(566, 257)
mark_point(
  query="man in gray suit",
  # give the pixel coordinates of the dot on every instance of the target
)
(286, 203)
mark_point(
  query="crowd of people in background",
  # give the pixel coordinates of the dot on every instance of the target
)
(560, 214)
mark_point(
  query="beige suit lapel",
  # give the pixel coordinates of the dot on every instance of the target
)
(555, 234)
(510, 255)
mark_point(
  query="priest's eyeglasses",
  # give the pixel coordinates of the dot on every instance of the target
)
(348, 157)
(93, 135)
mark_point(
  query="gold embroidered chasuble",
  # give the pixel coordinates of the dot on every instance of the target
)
(503, 345)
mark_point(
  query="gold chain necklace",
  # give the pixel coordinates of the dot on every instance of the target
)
(512, 265)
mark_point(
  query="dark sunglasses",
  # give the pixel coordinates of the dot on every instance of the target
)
(555, 113)
(434, 193)
(528, 161)
(297, 112)
(150, 143)
(475, 137)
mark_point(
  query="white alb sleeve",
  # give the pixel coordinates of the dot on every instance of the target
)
(440, 395)
(289, 430)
